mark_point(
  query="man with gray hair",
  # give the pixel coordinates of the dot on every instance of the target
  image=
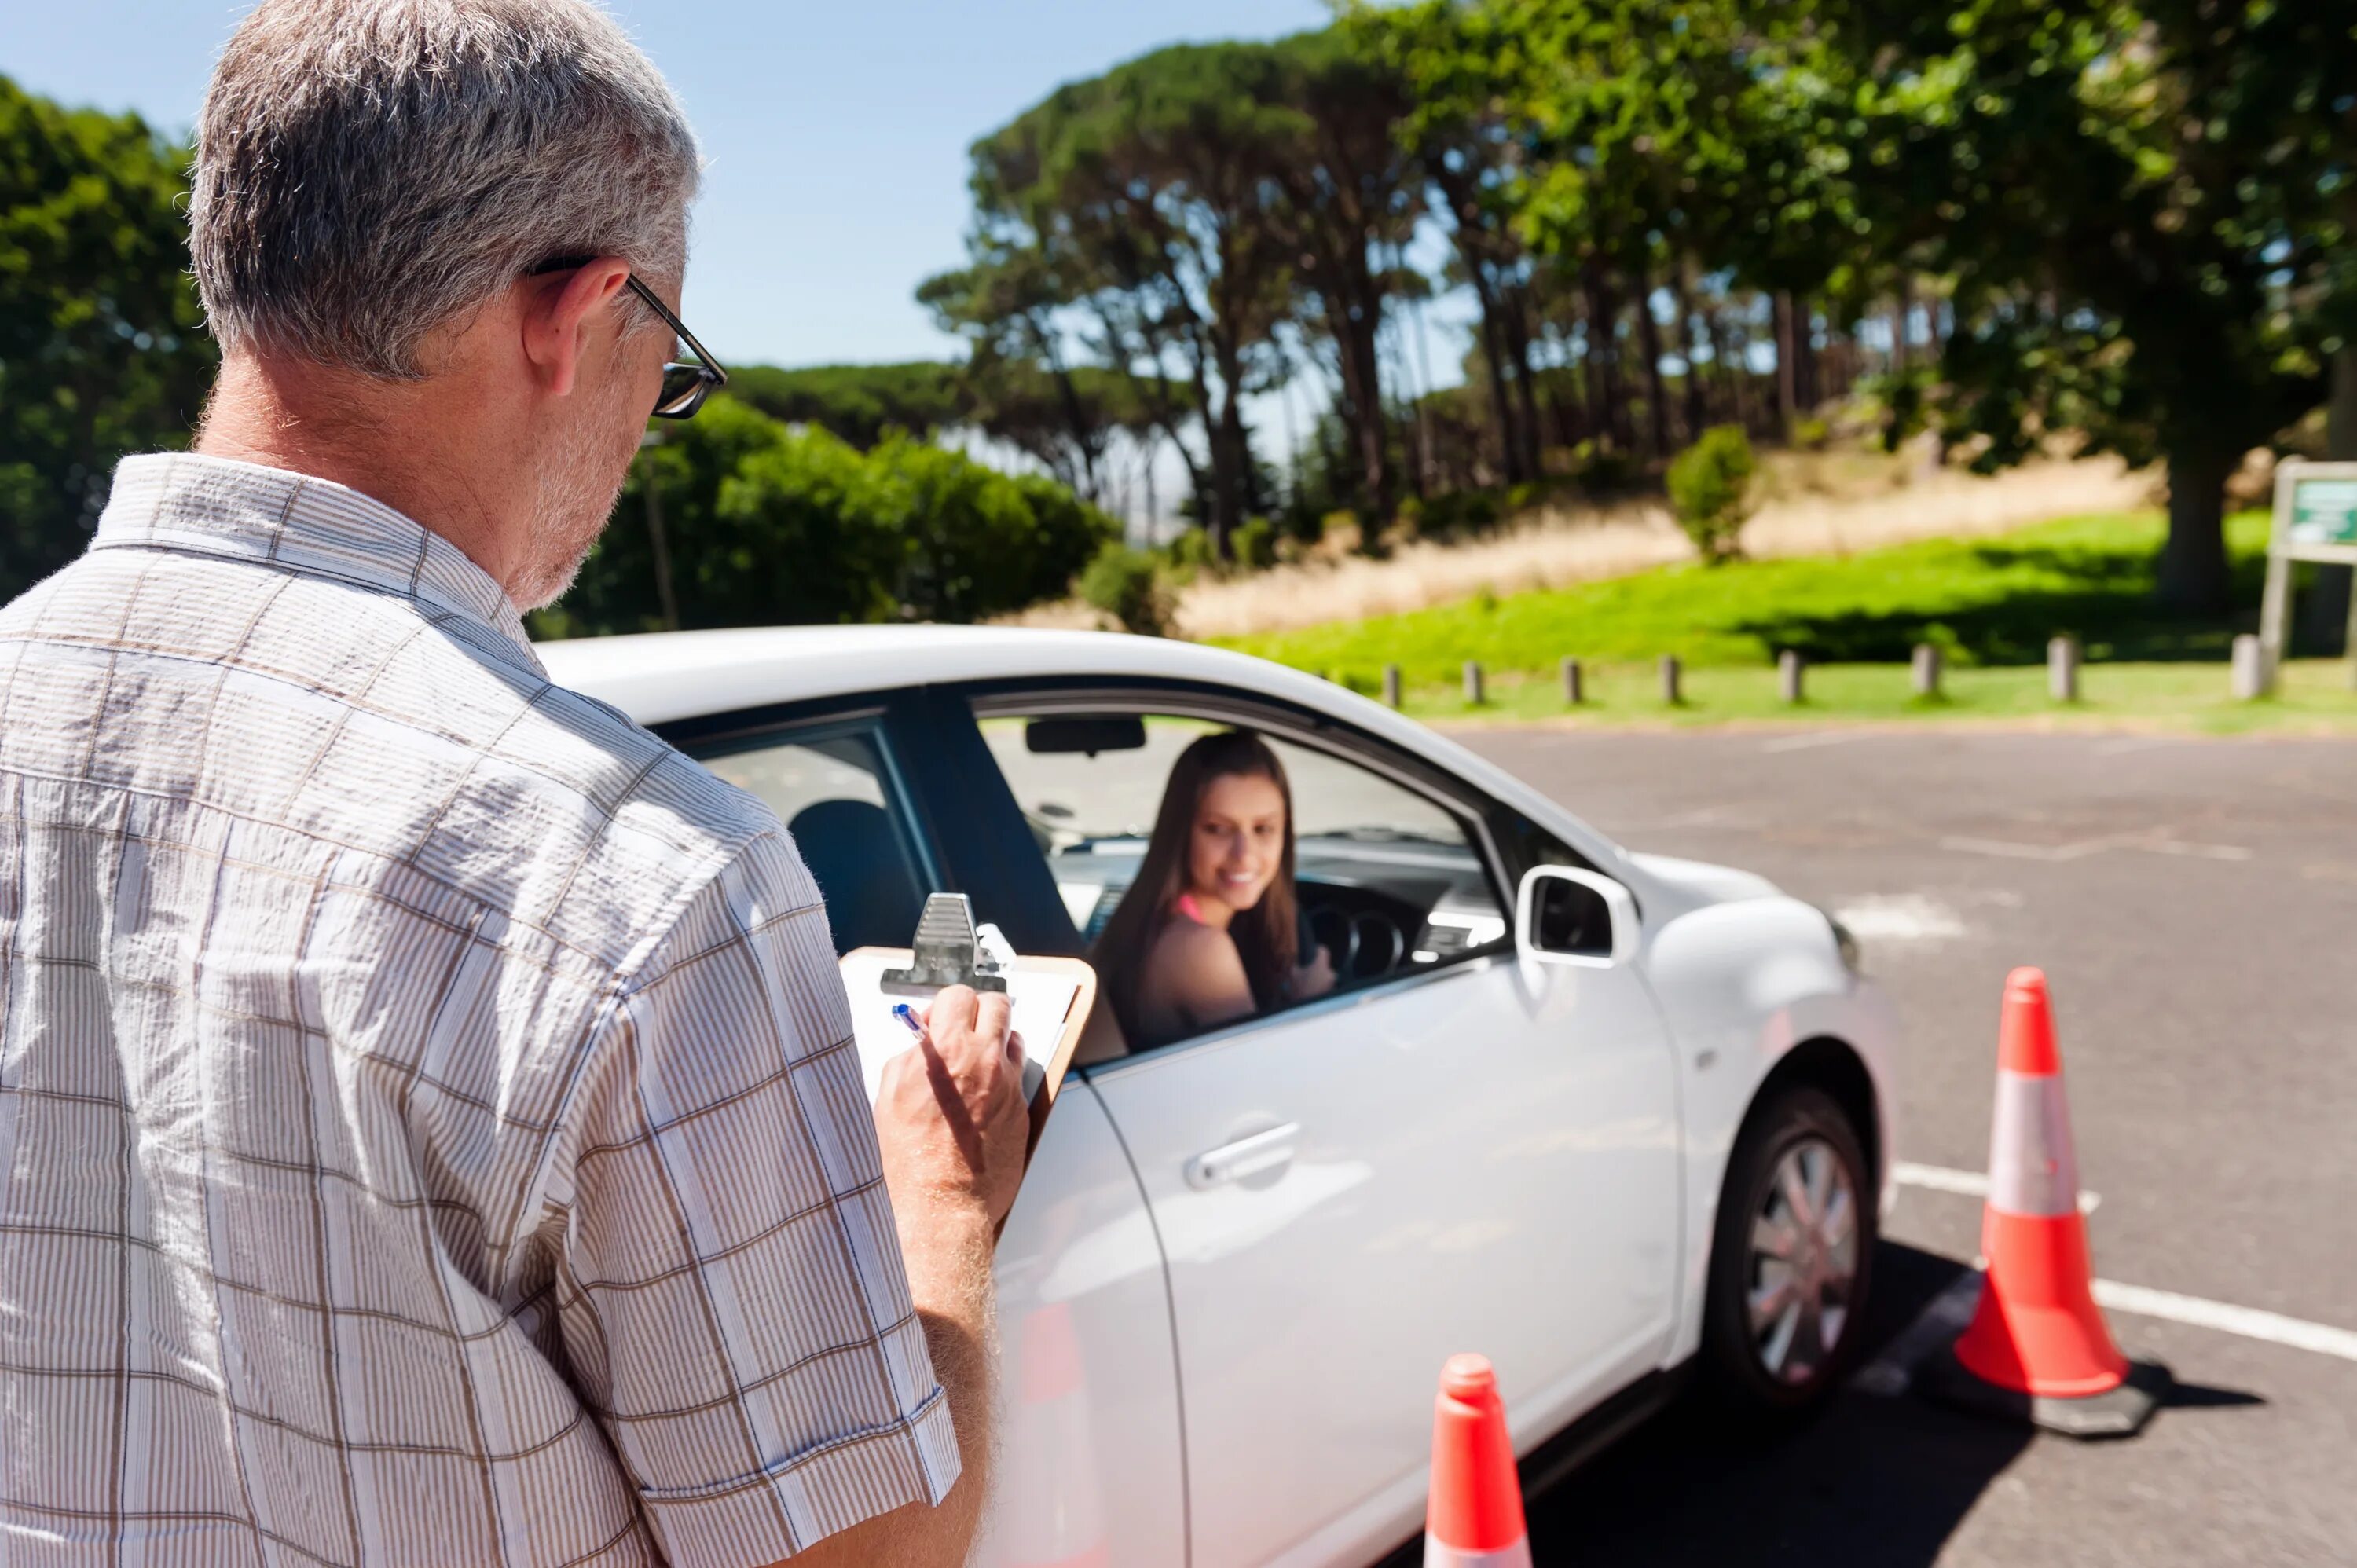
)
(429, 1132)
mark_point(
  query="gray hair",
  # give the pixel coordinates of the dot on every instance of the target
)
(368, 170)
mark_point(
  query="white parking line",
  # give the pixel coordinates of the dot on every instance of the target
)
(1964, 1183)
(1811, 742)
(2247, 1321)
(2226, 851)
(1944, 1316)
(2008, 850)
(2155, 841)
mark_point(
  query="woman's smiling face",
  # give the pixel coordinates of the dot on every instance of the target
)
(1238, 840)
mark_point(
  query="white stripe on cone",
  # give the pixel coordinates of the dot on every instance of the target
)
(1439, 1556)
(2033, 1169)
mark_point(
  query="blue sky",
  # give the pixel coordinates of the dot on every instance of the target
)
(835, 133)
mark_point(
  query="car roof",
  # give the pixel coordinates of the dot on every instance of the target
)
(662, 676)
(659, 677)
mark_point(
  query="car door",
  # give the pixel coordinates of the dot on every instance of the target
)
(1458, 1152)
(883, 805)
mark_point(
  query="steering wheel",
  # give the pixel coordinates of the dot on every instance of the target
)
(1377, 945)
(1365, 946)
(1328, 929)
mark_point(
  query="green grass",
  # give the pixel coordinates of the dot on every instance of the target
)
(1986, 601)
(1991, 603)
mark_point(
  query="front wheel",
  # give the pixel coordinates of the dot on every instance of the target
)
(1792, 1255)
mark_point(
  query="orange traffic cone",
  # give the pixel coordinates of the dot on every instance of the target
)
(1053, 1512)
(1475, 1517)
(2037, 1347)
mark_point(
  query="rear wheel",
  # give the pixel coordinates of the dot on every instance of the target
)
(1792, 1255)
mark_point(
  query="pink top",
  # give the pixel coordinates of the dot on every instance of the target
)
(1187, 906)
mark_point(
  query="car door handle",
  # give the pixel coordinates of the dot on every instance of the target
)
(1246, 1157)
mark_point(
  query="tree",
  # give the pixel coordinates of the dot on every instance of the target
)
(1663, 134)
(1350, 194)
(1456, 130)
(1005, 304)
(859, 404)
(101, 352)
(2144, 212)
(1137, 202)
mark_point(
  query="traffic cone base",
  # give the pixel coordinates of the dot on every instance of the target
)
(2037, 1329)
(2122, 1412)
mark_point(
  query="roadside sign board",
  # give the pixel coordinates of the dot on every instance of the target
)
(2323, 512)
(2316, 519)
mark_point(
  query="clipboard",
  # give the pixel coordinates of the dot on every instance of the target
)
(1051, 997)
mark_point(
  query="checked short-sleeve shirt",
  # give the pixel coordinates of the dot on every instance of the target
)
(429, 1132)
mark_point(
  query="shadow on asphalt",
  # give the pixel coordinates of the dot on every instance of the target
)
(1870, 1482)
(2202, 1396)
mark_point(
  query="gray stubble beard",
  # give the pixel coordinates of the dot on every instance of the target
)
(571, 511)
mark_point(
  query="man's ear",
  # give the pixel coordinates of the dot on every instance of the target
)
(559, 311)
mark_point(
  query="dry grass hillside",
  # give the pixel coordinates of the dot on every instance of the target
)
(1819, 503)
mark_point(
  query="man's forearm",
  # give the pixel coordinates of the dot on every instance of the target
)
(950, 1279)
(946, 1246)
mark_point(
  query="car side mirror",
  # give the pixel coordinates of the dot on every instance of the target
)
(1563, 915)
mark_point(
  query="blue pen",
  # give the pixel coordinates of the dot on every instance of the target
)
(908, 1014)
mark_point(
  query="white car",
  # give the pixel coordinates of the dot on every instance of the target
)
(1604, 1117)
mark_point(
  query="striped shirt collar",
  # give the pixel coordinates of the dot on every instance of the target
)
(218, 506)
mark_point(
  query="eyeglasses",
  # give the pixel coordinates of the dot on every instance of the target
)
(685, 384)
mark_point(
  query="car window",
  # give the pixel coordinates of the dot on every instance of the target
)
(1389, 880)
(834, 788)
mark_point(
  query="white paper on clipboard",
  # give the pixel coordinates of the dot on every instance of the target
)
(1042, 1007)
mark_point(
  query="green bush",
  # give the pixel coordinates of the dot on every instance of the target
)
(1602, 471)
(976, 542)
(769, 525)
(1458, 514)
(1812, 435)
(1255, 545)
(1710, 492)
(1127, 584)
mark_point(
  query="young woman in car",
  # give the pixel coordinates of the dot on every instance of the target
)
(1210, 931)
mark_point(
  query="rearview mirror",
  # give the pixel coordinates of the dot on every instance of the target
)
(1117, 732)
(1563, 915)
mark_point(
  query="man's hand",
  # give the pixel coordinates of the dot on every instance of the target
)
(951, 1125)
(949, 1117)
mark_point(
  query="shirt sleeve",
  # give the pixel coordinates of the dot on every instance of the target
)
(734, 1308)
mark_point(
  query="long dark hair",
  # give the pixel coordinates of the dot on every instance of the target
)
(1265, 935)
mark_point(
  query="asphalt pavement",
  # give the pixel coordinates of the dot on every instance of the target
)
(2194, 905)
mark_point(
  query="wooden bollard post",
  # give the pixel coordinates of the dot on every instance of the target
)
(1574, 693)
(1473, 682)
(1390, 685)
(2250, 671)
(2062, 668)
(1788, 675)
(1926, 673)
(1671, 670)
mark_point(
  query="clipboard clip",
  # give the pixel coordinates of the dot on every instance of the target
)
(945, 951)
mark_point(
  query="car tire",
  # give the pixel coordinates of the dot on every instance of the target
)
(1788, 1287)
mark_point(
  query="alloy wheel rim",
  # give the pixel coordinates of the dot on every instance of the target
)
(1803, 1278)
